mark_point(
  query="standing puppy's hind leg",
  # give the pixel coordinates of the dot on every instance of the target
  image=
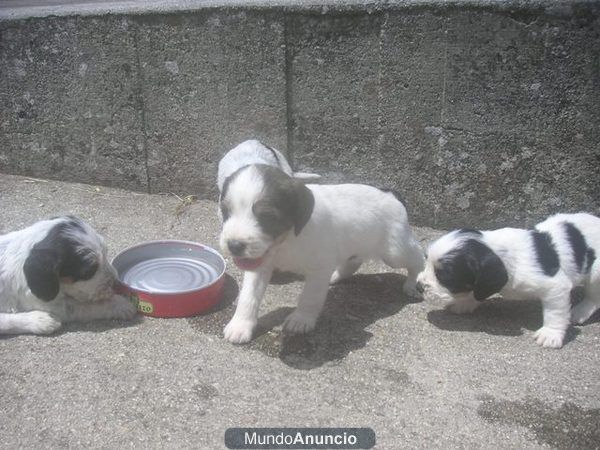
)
(591, 299)
(408, 255)
(346, 269)
(310, 304)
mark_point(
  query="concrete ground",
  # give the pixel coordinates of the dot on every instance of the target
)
(419, 376)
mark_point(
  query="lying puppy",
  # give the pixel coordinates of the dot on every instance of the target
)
(272, 221)
(545, 263)
(56, 271)
(255, 152)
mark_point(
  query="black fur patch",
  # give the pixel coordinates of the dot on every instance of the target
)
(473, 267)
(227, 182)
(578, 245)
(58, 256)
(285, 203)
(591, 258)
(546, 254)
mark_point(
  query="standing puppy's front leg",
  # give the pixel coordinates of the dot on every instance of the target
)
(556, 305)
(239, 329)
(310, 303)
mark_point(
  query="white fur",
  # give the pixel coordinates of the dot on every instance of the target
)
(255, 152)
(23, 312)
(526, 280)
(350, 223)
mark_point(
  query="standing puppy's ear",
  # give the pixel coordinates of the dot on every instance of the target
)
(41, 273)
(305, 202)
(491, 274)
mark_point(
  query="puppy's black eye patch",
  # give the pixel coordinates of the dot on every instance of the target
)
(268, 214)
(271, 219)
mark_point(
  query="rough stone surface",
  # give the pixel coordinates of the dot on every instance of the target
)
(418, 375)
(479, 113)
(476, 117)
(210, 81)
(70, 101)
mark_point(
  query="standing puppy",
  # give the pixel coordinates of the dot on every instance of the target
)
(56, 271)
(544, 263)
(255, 152)
(272, 221)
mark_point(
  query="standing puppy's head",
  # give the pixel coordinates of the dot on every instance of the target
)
(461, 264)
(72, 258)
(260, 205)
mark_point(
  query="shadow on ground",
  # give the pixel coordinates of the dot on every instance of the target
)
(569, 426)
(496, 317)
(99, 326)
(96, 326)
(351, 307)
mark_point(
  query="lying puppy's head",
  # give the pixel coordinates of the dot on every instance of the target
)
(260, 205)
(71, 257)
(460, 264)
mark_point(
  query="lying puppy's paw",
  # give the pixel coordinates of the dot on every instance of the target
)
(298, 322)
(123, 308)
(548, 337)
(41, 322)
(239, 331)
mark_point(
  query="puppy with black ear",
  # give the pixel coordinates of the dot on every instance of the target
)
(56, 271)
(467, 266)
(324, 232)
(255, 152)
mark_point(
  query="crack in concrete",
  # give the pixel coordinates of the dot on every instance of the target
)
(443, 102)
(380, 122)
(287, 67)
(141, 105)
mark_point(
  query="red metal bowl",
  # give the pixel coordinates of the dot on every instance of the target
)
(171, 278)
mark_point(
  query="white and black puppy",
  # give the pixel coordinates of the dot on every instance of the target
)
(273, 221)
(56, 271)
(255, 152)
(546, 263)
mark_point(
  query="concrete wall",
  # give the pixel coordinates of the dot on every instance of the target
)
(479, 115)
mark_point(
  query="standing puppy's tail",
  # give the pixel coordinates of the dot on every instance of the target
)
(307, 178)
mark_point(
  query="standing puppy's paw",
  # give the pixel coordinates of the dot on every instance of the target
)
(548, 337)
(122, 308)
(40, 322)
(239, 331)
(298, 322)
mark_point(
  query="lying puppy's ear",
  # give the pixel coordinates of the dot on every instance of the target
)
(491, 273)
(305, 202)
(41, 273)
(79, 264)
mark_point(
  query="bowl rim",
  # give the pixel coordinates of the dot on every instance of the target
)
(172, 241)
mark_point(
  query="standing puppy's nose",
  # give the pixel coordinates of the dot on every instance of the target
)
(236, 247)
(420, 287)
